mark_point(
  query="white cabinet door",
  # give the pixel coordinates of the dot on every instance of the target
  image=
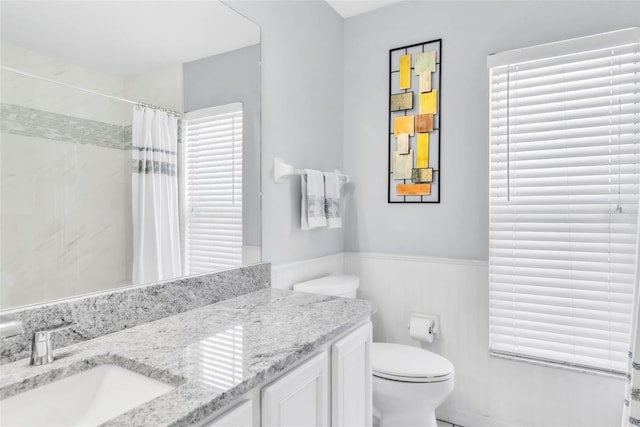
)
(351, 379)
(300, 398)
(240, 416)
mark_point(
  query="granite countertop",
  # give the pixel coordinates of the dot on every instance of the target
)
(261, 333)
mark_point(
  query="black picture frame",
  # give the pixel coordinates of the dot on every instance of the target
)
(394, 54)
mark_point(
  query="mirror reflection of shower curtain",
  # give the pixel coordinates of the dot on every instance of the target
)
(156, 226)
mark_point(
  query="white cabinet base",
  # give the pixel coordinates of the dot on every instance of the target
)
(333, 388)
(300, 398)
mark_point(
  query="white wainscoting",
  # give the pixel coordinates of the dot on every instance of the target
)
(488, 391)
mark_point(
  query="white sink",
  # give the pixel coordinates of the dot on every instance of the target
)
(87, 398)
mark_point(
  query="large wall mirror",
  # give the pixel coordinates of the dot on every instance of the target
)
(129, 145)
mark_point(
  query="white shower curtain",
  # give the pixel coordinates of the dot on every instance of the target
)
(156, 225)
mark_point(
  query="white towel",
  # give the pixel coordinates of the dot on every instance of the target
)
(312, 210)
(332, 199)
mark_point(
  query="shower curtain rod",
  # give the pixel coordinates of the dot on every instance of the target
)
(141, 104)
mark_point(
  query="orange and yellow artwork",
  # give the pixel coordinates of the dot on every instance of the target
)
(405, 72)
(413, 189)
(403, 124)
(428, 103)
(413, 139)
(422, 151)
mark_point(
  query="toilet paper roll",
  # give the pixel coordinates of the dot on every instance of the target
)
(419, 328)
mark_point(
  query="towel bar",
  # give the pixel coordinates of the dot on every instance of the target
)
(282, 170)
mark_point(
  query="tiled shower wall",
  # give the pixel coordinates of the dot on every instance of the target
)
(65, 205)
(65, 174)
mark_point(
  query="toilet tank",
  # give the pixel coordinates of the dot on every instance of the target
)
(337, 285)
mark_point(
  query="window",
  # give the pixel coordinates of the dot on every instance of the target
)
(564, 183)
(212, 188)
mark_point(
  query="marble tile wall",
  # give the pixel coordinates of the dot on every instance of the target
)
(65, 216)
(65, 181)
(100, 314)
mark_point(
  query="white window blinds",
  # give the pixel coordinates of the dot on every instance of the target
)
(564, 182)
(212, 183)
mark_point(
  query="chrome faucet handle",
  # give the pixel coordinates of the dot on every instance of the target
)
(10, 327)
(41, 347)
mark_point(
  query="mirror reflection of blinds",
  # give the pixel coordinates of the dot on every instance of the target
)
(564, 183)
(212, 165)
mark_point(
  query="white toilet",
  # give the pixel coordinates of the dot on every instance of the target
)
(409, 383)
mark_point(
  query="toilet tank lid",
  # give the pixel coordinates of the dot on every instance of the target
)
(329, 285)
(405, 361)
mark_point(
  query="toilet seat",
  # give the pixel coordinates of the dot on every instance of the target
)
(409, 364)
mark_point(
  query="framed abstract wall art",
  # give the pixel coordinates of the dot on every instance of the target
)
(414, 123)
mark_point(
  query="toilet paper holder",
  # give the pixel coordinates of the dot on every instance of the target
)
(434, 328)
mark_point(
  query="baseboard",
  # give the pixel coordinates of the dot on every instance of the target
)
(467, 419)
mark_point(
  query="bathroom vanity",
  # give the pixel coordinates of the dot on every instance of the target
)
(270, 358)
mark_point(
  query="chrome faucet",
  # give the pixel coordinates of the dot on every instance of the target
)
(10, 327)
(41, 347)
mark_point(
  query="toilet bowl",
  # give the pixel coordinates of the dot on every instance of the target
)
(409, 383)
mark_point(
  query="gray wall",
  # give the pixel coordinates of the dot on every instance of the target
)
(471, 30)
(302, 116)
(223, 79)
(324, 106)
